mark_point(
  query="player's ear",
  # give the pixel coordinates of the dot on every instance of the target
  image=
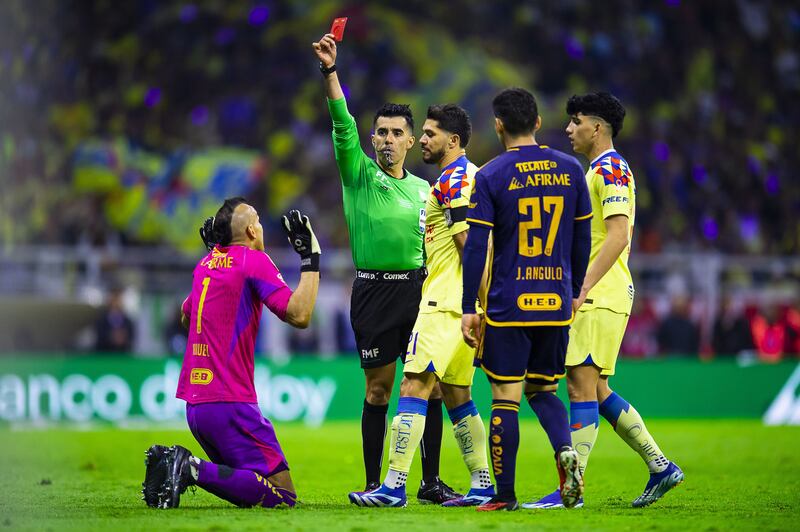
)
(411, 140)
(455, 141)
(498, 126)
(538, 123)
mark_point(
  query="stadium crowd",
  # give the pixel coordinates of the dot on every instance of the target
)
(711, 116)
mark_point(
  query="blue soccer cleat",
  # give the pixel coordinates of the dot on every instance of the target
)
(658, 485)
(382, 497)
(474, 497)
(550, 501)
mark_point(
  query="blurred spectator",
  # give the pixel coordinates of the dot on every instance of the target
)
(775, 331)
(640, 335)
(731, 335)
(677, 333)
(176, 334)
(114, 329)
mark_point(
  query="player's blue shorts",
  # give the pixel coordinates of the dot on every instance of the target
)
(533, 354)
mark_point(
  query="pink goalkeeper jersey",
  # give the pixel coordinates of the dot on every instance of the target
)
(229, 288)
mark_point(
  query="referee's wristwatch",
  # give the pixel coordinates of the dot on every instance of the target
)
(327, 71)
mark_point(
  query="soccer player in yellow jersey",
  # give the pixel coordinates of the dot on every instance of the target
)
(435, 350)
(606, 300)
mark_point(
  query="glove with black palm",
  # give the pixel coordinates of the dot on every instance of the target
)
(207, 233)
(303, 240)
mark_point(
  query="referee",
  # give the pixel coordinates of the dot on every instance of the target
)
(384, 206)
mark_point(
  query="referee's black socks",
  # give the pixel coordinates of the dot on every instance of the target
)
(373, 432)
(431, 445)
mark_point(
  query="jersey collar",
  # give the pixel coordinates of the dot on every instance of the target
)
(610, 150)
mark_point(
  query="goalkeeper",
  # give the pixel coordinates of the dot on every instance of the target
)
(231, 284)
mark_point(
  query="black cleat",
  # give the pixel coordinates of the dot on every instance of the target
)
(178, 477)
(436, 492)
(154, 474)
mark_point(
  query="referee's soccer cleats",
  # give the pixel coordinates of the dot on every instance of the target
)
(178, 478)
(570, 478)
(474, 497)
(497, 503)
(436, 492)
(155, 473)
(658, 485)
(550, 501)
(382, 497)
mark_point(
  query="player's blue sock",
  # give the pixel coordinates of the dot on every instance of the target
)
(629, 425)
(504, 444)
(552, 415)
(584, 423)
(612, 407)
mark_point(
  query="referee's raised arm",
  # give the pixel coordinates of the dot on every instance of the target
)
(350, 158)
(326, 53)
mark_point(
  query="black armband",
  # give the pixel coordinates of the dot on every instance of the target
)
(454, 215)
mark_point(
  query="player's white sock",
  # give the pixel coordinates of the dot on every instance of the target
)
(395, 479)
(480, 479)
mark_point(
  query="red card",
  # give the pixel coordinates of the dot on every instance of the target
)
(337, 28)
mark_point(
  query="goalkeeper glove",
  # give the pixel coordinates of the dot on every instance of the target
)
(207, 233)
(302, 238)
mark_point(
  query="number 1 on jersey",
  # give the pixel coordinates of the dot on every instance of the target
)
(206, 282)
(552, 205)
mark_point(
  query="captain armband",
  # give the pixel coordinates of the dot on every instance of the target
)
(455, 215)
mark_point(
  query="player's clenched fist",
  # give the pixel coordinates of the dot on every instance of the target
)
(326, 50)
(303, 240)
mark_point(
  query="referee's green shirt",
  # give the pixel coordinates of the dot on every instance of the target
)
(385, 216)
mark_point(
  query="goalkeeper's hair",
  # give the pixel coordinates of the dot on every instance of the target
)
(600, 104)
(453, 119)
(221, 228)
(517, 110)
(395, 109)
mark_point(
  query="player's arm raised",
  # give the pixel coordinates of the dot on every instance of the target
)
(302, 238)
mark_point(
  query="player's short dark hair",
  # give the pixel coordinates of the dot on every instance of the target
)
(453, 119)
(221, 228)
(395, 109)
(517, 109)
(600, 104)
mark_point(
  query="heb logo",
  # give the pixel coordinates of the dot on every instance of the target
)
(539, 301)
(201, 376)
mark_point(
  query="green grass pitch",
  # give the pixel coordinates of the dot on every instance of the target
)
(739, 475)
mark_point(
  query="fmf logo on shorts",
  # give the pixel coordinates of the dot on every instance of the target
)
(201, 376)
(370, 353)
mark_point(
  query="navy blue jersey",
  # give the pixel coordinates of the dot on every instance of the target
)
(531, 197)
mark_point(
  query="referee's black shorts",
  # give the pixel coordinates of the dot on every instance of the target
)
(383, 309)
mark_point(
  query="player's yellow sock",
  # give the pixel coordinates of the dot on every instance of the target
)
(630, 426)
(471, 437)
(583, 426)
(407, 428)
